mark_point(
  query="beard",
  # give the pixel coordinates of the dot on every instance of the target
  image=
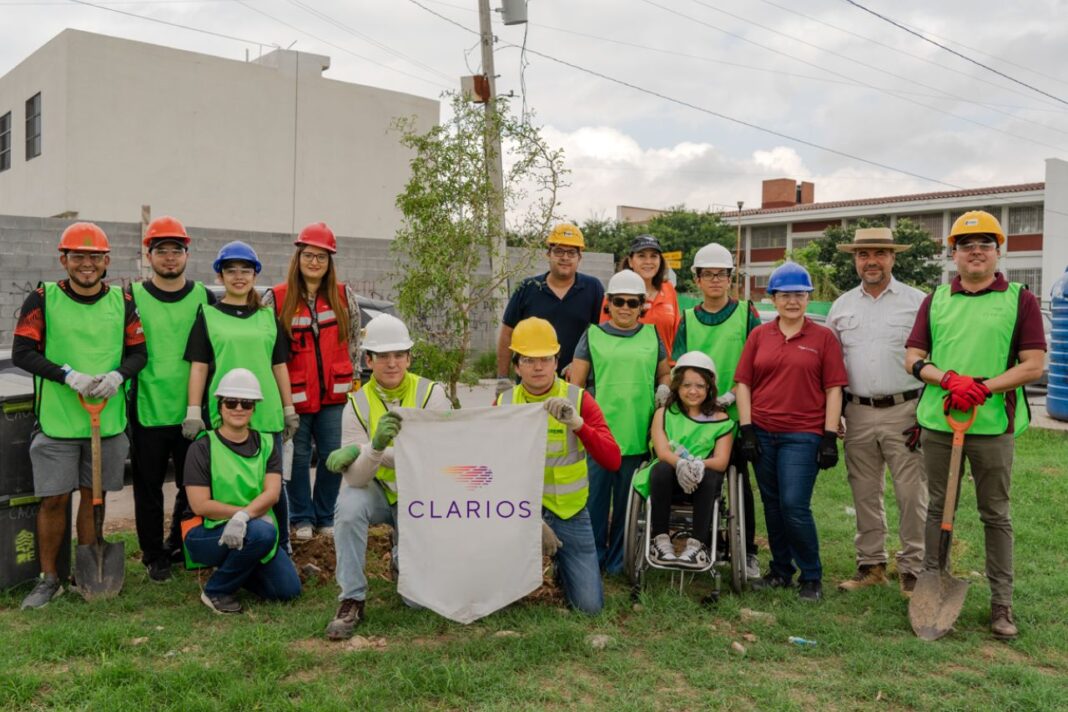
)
(169, 273)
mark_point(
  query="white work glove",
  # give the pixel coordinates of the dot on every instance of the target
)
(504, 384)
(193, 423)
(107, 385)
(233, 535)
(79, 382)
(550, 543)
(685, 474)
(663, 392)
(292, 422)
(562, 410)
(726, 399)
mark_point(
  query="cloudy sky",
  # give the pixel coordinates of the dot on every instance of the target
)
(823, 72)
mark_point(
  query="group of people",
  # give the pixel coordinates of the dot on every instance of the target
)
(626, 378)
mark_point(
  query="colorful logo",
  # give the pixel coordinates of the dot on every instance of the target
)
(470, 476)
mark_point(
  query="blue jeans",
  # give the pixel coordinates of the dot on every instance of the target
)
(305, 507)
(607, 504)
(576, 561)
(277, 580)
(786, 474)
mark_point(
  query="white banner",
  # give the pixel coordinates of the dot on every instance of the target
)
(469, 486)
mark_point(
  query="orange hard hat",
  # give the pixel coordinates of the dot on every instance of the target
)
(318, 235)
(84, 237)
(168, 227)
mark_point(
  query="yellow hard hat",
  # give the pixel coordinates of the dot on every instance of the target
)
(534, 337)
(567, 235)
(976, 222)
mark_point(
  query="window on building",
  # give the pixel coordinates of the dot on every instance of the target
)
(33, 126)
(1031, 276)
(797, 241)
(5, 141)
(760, 281)
(870, 220)
(1025, 219)
(931, 222)
(765, 236)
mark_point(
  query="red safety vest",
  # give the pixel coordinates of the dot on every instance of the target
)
(320, 371)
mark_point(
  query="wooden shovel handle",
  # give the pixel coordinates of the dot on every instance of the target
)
(959, 427)
(94, 410)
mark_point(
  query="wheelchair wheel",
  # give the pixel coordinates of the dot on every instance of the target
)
(634, 541)
(736, 530)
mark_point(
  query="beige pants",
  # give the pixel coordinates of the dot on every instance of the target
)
(874, 441)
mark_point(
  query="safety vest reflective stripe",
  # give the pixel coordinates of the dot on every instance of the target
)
(327, 315)
(299, 398)
(338, 388)
(301, 321)
(567, 488)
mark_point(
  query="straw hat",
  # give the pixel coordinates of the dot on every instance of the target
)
(873, 238)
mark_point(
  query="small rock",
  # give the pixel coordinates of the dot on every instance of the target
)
(637, 608)
(599, 642)
(749, 637)
(507, 634)
(138, 641)
(311, 569)
(170, 653)
(159, 627)
(738, 648)
(879, 696)
(975, 574)
(748, 614)
(850, 511)
(358, 642)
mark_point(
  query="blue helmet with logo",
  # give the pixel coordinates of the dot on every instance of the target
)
(789, 277)
(236, 250)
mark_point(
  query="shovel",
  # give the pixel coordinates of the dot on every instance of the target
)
(938, 598)
(99, 567)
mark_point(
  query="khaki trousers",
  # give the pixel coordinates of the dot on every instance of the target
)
(873, 442)
(990, 461)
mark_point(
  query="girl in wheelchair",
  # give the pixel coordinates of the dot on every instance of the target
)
(691, 437)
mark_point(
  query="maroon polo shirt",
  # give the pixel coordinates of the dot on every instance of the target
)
(788, 378)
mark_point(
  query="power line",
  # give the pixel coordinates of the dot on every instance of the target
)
(174, 24)
(952, 51)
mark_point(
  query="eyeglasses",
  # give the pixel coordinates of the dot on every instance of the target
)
(622, 302)
(536, 360)
(389, 355)
(693, 386)
(715, 276)
(238, 271)
(169, 251)
(564, 252)
(97, 258)
(976, 247)
(314, 257)
(237, 403)
(791, 296)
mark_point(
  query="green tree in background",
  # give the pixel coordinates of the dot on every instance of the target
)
(919, 266)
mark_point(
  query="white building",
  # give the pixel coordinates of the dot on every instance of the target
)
(97, 126)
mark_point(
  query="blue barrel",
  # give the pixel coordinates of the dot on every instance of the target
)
(1057, 395)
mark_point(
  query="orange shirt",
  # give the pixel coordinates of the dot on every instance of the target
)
(663, 313)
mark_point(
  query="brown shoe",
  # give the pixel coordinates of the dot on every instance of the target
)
(348, 616)
(907, 582)
(1001, 623)
(866, 575)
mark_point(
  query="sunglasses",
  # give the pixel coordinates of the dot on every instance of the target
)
(633, 303)
(238, 403)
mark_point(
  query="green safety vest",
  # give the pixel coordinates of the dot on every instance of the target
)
(723, 343)
(163, 384)
(238, 480)
(973, 335)
(89, 338)
(369, 408)
(245, 343)
(698, 437)
(625, 369)
(566, 484)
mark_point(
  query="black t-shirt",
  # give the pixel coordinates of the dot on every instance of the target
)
(171, 297)
(198, 460)
(199, 348)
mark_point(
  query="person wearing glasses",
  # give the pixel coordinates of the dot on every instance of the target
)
(233, 478)
(321, 318)
(646, 258)
(239, 332)
(789, 386)
(566, 298)
(719, 326)
(168, 304)
(621, 362)
(976, 342)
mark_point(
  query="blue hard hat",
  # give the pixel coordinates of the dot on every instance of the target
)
(236, 250)
(789, 277)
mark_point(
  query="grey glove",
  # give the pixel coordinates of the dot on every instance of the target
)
(562, 410)
(193, 423)
(292, 421)
(233, 534)
(550, 543)
(79, 382)
(504, 384)
(662, 394)
(726, 399)
(684, 473)
(107, 385)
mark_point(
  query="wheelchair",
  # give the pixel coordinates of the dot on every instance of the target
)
(728, 539)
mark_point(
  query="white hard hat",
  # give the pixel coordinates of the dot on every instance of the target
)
(626, 282)
(695, 359)
(386, 333)
(712, 255)
(239, 383)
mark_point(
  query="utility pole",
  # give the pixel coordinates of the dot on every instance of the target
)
(738, 259)
(492, 148)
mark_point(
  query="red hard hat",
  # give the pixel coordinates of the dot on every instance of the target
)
(84, 237)
(318, 235)
(165, 226)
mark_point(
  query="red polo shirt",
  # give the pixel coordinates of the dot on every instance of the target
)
(788, 377)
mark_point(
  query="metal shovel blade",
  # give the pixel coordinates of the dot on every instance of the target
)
(936, 603)
(100, 569)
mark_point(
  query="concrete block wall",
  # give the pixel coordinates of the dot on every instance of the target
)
(28, 256)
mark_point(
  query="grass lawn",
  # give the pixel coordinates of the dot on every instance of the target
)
(157, 647)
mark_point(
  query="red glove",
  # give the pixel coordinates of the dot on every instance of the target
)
(954, 402)
(967, 390)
